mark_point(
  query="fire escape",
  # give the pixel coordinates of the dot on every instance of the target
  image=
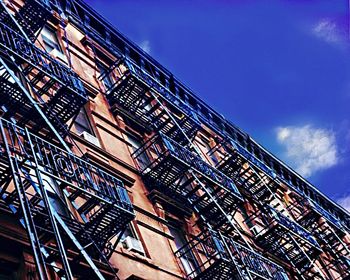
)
(73, 211)
(136, 93)
(170, 167)
(170, 162)
(34, 86)
(330, 234)
(220, 257)
(274, 230)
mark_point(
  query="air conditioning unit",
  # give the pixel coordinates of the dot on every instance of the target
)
(133, 244)
(90, 138)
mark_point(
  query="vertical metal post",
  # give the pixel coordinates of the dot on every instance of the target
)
(50, 212)
(36, 106)
(29, 223)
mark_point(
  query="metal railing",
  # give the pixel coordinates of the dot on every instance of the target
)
(211, 247)
(162, 145)
(292, 226)
(13, 43)
(67, 168)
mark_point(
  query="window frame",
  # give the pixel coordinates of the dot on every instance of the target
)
(49, 44)
(88, 125)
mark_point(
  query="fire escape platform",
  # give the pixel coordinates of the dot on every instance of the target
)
(222, 258)
(53, 86)
(134, 93)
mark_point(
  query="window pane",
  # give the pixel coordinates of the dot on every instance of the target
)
(50, 39)
(107, 81)
(188, 260)
(82, 123)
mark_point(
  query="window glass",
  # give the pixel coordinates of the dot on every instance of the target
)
(188, 260)
(131, 241)
(50, 39)
(129, 231)
(107, 80)
(136, 143)
(82, 123)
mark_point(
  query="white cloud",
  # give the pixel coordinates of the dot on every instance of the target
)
(309, 149)
(146, 46)
(345, 202)
(327, 30)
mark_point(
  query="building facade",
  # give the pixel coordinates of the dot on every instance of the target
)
(111, 168)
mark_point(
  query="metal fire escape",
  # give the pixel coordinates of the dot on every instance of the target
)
(273, 230)
(136, 93)
(221, 257)
(171, 168)
(330, 234)
(42, 185)
(36, 88)
(283, 237)
(72, 210)
(171, 163)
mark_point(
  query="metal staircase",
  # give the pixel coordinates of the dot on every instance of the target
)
(165, 164)
(45, 89)
(222, 258)
(44, 177)
(330, 234)
(281, 236)
(30, 17)
(134, 92)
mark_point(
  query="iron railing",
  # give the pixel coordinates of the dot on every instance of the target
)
(214, 256)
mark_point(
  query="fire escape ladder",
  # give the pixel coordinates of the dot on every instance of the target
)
(330, 233)
(24, 203)
(136, 93)
(222, 258)
(17, 99)
(9, 20)
(239, 165)
(40, 172)
(57, 92)
(211, 194)
(32, 16)
(285, 238)
(29, 19)
(215, 212)
(332, 243)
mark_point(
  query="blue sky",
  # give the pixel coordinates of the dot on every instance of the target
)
(278, 69)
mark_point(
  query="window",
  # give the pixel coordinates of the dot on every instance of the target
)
(129, 231)
(135, 143)
(131, 241)
(50, 40)
(52, 190)
(82, 123)
(206, 150)
(188, 260)
(106, 77)
(142, 159)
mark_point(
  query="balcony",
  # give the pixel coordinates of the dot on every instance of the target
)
(315, 212)
(330, 234)
(31, 17)
(285, 238)
(133, 90)
(166, 165)
(55, 87)
(212, 256)
(101, 203)
(249, 173)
